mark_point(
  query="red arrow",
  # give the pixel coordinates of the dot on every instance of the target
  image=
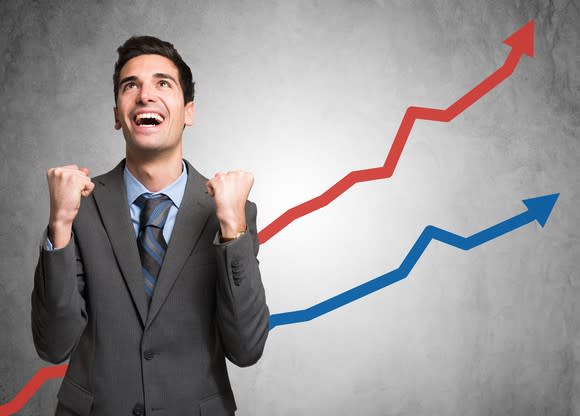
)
(521, 42)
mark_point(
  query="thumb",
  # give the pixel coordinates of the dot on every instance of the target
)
(89, 186)
(209, 188)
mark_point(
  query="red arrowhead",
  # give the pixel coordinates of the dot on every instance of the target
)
(522, 41)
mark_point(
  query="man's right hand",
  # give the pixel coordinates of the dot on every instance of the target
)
(66, 185)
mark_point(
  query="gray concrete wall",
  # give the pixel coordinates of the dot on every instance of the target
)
(300, 93)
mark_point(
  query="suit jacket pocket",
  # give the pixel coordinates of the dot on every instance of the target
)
(74, 397)
(217, 405)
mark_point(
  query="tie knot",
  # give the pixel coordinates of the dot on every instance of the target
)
(154, 210)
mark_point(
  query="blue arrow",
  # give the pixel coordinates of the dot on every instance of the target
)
(539, 209)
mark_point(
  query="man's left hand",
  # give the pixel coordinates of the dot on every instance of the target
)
(230, 192)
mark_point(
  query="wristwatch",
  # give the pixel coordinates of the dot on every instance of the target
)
(226, 239)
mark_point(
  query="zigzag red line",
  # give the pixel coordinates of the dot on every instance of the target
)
(411, 115)
(41, 376)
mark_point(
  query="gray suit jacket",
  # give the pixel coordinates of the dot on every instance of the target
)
(167, 359)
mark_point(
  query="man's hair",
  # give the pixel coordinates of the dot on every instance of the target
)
(149, 45)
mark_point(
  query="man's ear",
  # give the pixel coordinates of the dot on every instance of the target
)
(189, 110)
(117, 121)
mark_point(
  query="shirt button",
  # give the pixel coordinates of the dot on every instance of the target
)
(138, 410)
(149, 355)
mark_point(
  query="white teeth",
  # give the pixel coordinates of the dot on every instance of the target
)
(156, 116)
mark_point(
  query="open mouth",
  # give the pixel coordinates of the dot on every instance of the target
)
(148, 119)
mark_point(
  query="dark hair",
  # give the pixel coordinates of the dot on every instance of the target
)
(149, 45)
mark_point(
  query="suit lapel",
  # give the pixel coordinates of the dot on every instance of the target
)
(111, 200)
(192, 216)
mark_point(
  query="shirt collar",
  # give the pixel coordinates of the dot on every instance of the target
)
(174, 190)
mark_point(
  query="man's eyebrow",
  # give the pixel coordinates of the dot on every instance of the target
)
(129, 78)
(160, 75)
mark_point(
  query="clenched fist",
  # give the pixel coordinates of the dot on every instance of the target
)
(66, 185)
(230, 192)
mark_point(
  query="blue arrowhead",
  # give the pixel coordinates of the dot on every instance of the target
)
(541, 207)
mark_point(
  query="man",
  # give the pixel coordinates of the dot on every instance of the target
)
(148, 274)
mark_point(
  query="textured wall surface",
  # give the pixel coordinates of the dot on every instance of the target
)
(300, 93)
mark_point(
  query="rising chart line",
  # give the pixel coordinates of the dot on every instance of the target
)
(521, 42)
(539, 210)
(41, 376)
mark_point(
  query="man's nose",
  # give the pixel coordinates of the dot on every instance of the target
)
(146, 94)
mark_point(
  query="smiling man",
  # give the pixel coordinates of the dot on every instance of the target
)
(147, 276)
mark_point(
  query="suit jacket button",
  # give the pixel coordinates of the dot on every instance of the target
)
(138, 410)
(149, 355)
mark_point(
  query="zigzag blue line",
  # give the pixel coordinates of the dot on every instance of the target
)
(538, 209)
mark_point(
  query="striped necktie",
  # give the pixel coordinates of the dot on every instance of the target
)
(150, 241)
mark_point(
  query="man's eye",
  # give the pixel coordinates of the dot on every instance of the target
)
(129, 85)
(164, 83)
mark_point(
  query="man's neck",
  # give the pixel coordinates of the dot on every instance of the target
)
(155, 174)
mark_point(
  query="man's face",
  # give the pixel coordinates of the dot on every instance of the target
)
(150, 107)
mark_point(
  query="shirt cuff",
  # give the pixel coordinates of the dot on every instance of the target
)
(48, 244)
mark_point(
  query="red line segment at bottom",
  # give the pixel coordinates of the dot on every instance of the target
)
(42, 375)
